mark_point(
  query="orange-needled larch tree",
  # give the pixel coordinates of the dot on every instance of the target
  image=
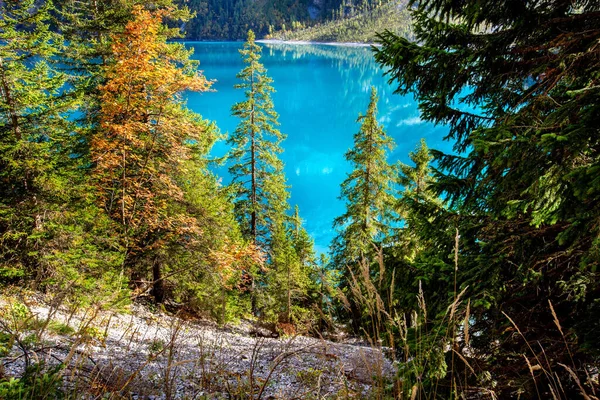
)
(146, 136)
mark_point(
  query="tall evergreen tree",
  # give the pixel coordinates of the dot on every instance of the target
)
(257, 171)
(34, 135)
(524, 188)
(367, 189)
(369, 199)
(146, 136)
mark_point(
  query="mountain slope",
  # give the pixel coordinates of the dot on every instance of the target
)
(361, 28)
(231, 19)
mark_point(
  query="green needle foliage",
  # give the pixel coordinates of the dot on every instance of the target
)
(33, 134)
(290, 283)
(369, 201)
(257, 170)
(416, 203)
(281, 294)
(367, 189)
(51, 234)
(523, 186)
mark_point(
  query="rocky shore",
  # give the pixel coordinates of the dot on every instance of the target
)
(154, 355)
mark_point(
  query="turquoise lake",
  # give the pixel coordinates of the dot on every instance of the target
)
(320, 91)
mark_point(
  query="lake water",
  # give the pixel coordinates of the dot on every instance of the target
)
(320, 91)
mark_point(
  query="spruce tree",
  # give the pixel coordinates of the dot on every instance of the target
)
(416, 202)
(34, 135)
(416, 256)
(257, 170)
(302, 241)
(369, 200)
(367, 189)
(284, 280)
(522, 189)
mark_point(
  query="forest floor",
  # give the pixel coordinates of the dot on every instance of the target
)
(154, 355)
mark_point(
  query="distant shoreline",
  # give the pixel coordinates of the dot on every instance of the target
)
(280, 41)
(311, 42)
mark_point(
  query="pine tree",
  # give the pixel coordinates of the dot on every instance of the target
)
(258, 172)
(369, 202)
(522, 189)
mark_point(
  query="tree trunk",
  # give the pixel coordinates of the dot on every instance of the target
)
(158, 284)
(223, 306)
(11, 106)
(253, 222)
(356, 316)
(289, 294)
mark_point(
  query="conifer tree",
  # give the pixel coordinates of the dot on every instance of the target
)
(416, 180)
(367, 189)
(292, 267)
(34, 134)
(285, 280)
(522, 188)
(88, 27)
(417, 201)
(257, 171)
(146, 135)
(206, 269)
(417, 255)
(303, 243)
(369, 200)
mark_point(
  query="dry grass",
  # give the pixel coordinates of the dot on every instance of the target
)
(112, 356)
(425, 349)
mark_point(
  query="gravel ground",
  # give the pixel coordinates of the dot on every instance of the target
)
(148, 355)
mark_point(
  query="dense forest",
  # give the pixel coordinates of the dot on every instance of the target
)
(360, 25)
(231, 19)
(476, 271)
(312, 19)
